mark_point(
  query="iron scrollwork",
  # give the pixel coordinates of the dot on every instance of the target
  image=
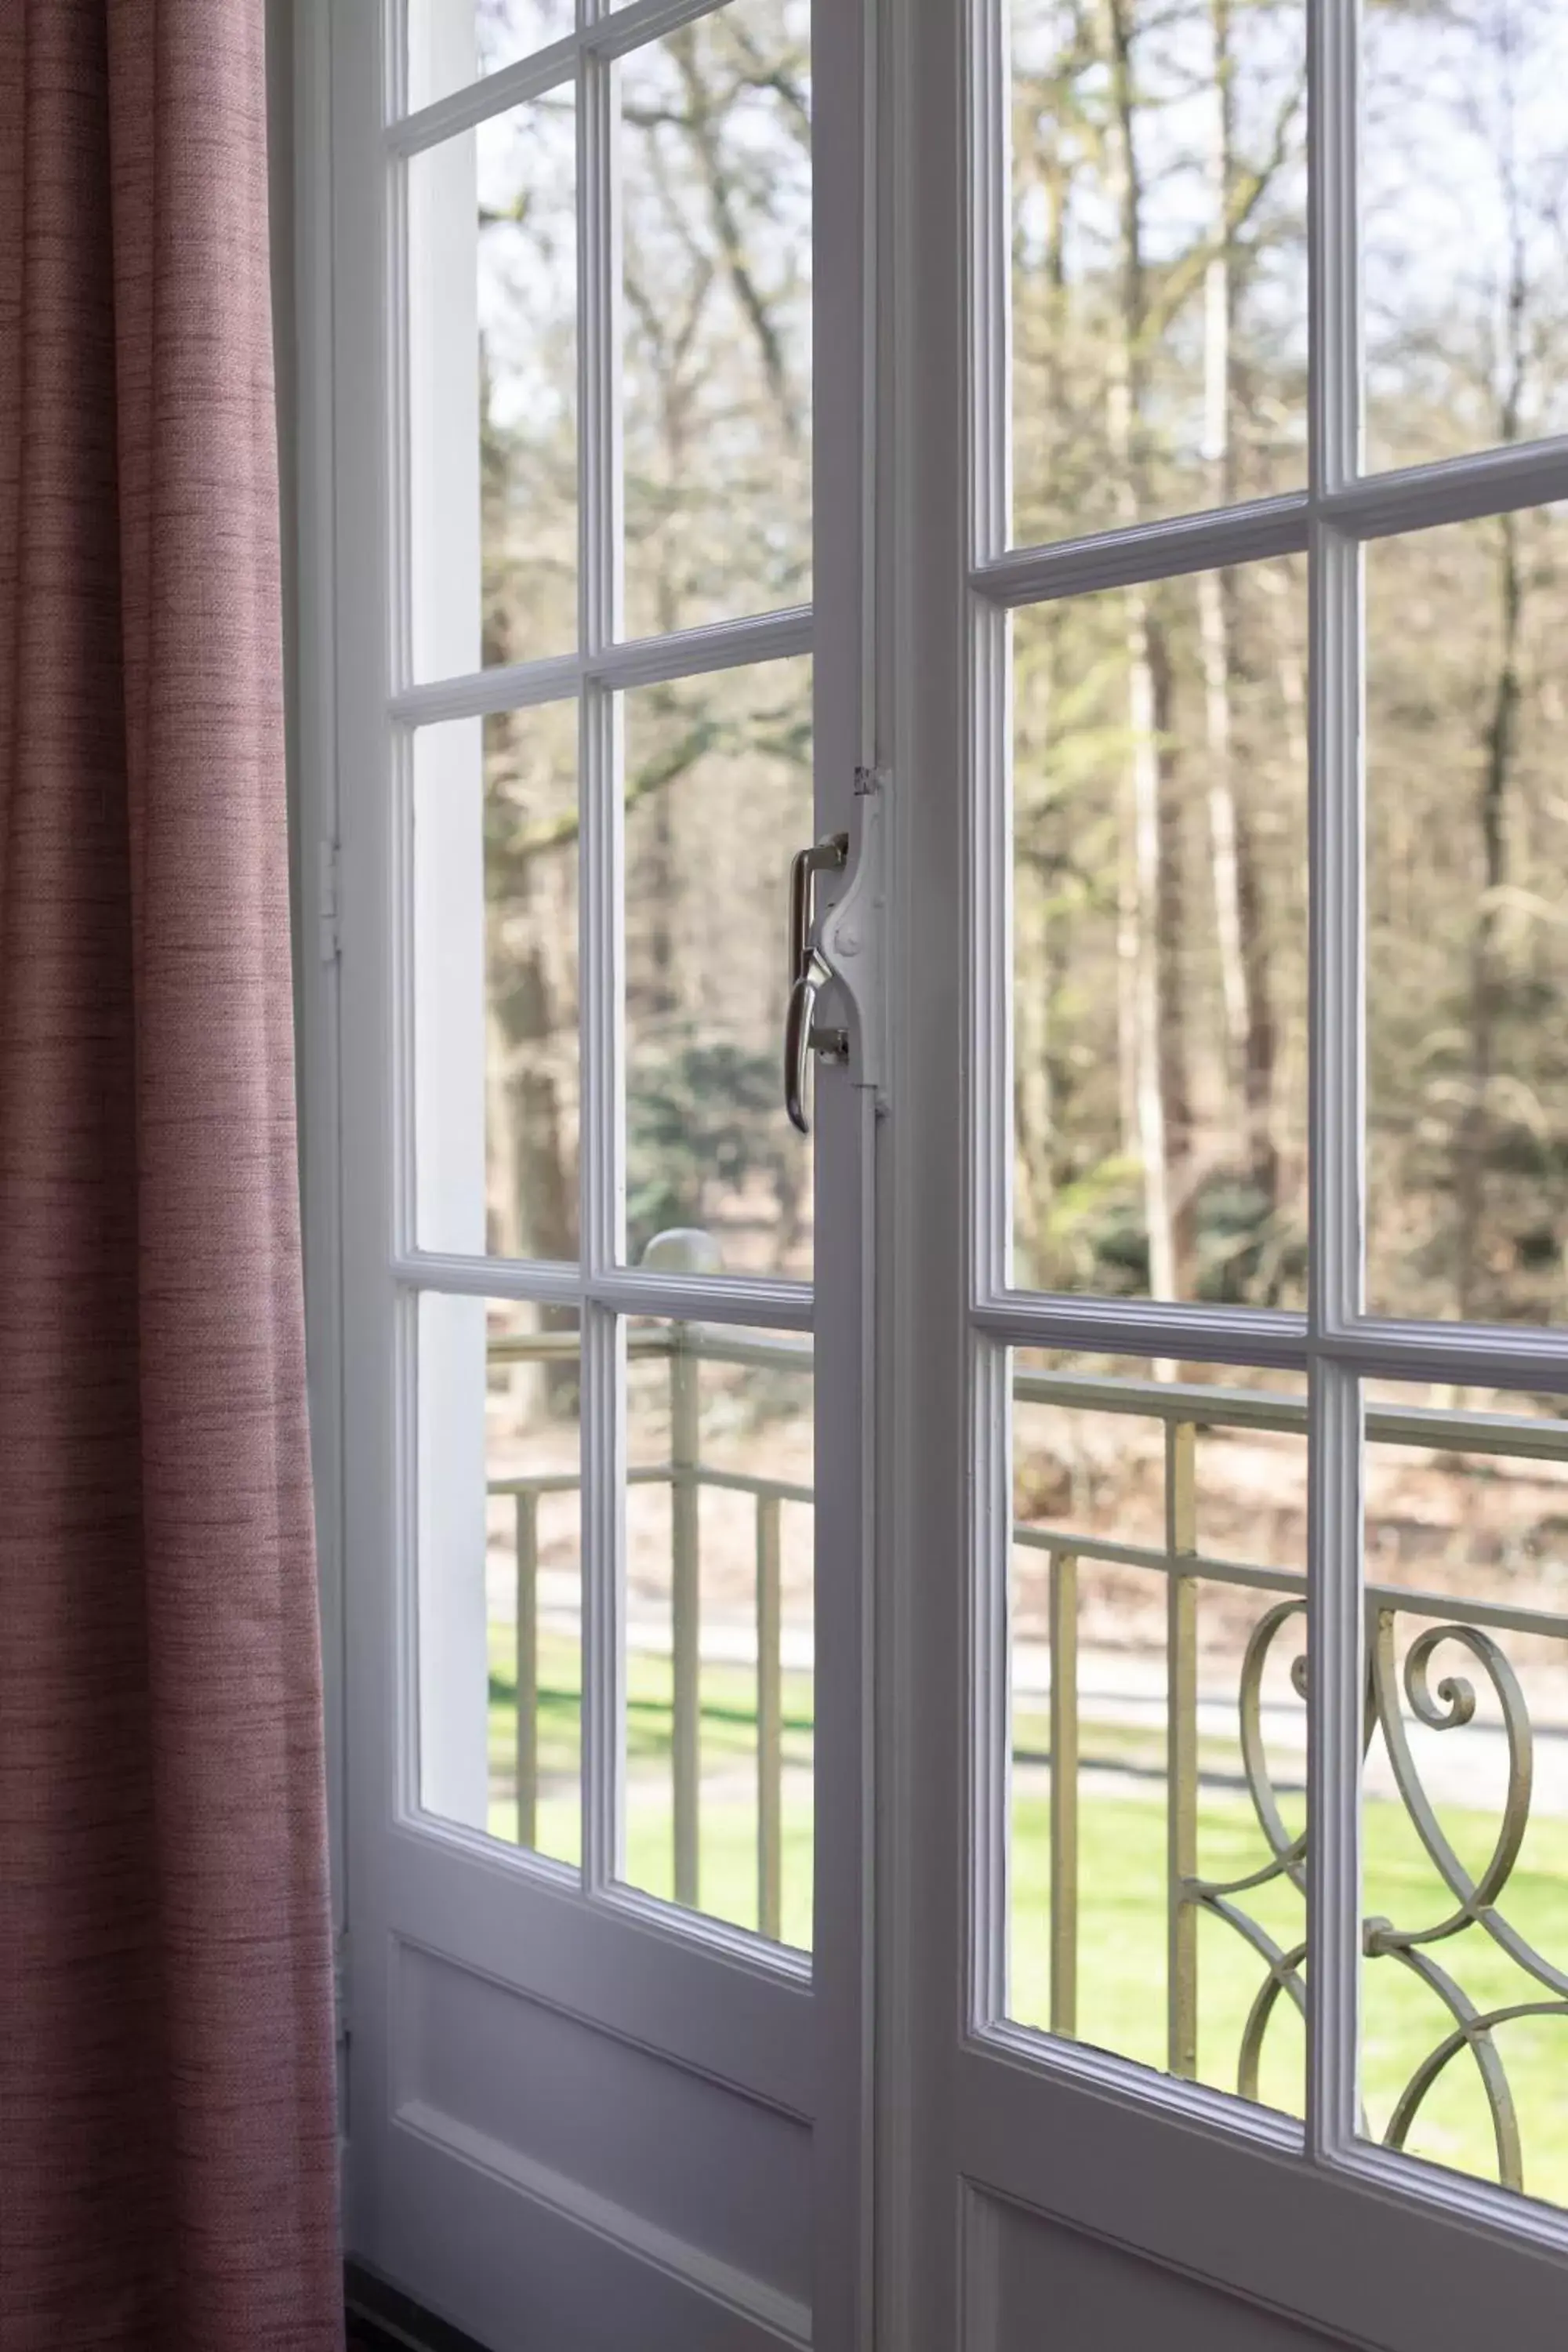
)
(1393, 1689)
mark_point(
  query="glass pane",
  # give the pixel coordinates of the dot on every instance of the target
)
(1465, 1815)
(716, 158)
(1158, 280)
(453, 42)
(1465, 174)
(720, 1560)
(1160, 939)
(718, 797)
(1158, 1731)
(1467, 952)
(500, 1585)
(495, 955)
(493, 392)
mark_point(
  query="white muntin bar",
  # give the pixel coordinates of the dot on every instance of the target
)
(602, 1176)
(741, 1300)
(1140, 553)
(1452, 490)
(1144, 1327)
(988, 440)
(736, 1299)
(638, 661)
(602, 33)
(1335, 1637)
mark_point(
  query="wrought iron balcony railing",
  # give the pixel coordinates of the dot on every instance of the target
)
(683, 1347)
(1394, 1685)
(1399, 1690)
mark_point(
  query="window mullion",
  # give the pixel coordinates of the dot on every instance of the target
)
(1335, 1635)
(989, 958)
(989, 731)
(600, 964)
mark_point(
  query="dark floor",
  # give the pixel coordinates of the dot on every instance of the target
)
(380, 2319)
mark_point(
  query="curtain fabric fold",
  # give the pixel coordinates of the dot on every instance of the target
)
(167, 2131)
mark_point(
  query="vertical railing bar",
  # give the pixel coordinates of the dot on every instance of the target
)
(770, 1722)
(603, 1525)
(988, 1678)
(1181, 1753)
(686, 1604)
(1335, 1644)
(1064, 1726)
(527, 1657)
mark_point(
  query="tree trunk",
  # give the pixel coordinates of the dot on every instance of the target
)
(529, 1015)
(1487, 977)
(531, 1201)
(503, 1177)
(1036, 977)
(1240, 920)
(1152, 919)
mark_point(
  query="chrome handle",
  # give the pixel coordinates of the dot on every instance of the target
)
(797, 1045)
(830, 855)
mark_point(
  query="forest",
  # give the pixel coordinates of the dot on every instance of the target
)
(1160, 305)
(716, 422)
(1158, 291)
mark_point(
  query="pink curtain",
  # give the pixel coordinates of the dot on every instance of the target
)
(167, 2137)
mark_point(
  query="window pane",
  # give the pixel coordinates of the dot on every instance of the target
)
(1467, 979)
(1158, 260)
(719, 796)
(501, 1588)
(496, 1045)
(719, 1561)
(1465, 1818)
(716, 158)
(1160, 939)
(1464, 172)
(453, 42)
(1158, 1729)
(492, 368)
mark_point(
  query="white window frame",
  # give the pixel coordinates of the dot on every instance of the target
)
(942, 336)
(789, 2028)
(1336, 1345)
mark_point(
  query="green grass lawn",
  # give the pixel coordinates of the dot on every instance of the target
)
(1121, 1909)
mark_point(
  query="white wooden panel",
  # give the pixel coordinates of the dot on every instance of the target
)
(1360, 2263)
(706, 1996)
(525, 2263)
(710, 2168)
(1028, 2284)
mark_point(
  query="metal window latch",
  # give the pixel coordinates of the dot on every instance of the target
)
(841, 946)
(807, 972)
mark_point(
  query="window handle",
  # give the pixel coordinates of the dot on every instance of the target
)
(807, 972)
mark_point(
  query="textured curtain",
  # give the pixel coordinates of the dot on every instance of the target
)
(167, 2138)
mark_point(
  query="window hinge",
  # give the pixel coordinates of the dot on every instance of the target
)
(329, 909)
(340, 1983)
